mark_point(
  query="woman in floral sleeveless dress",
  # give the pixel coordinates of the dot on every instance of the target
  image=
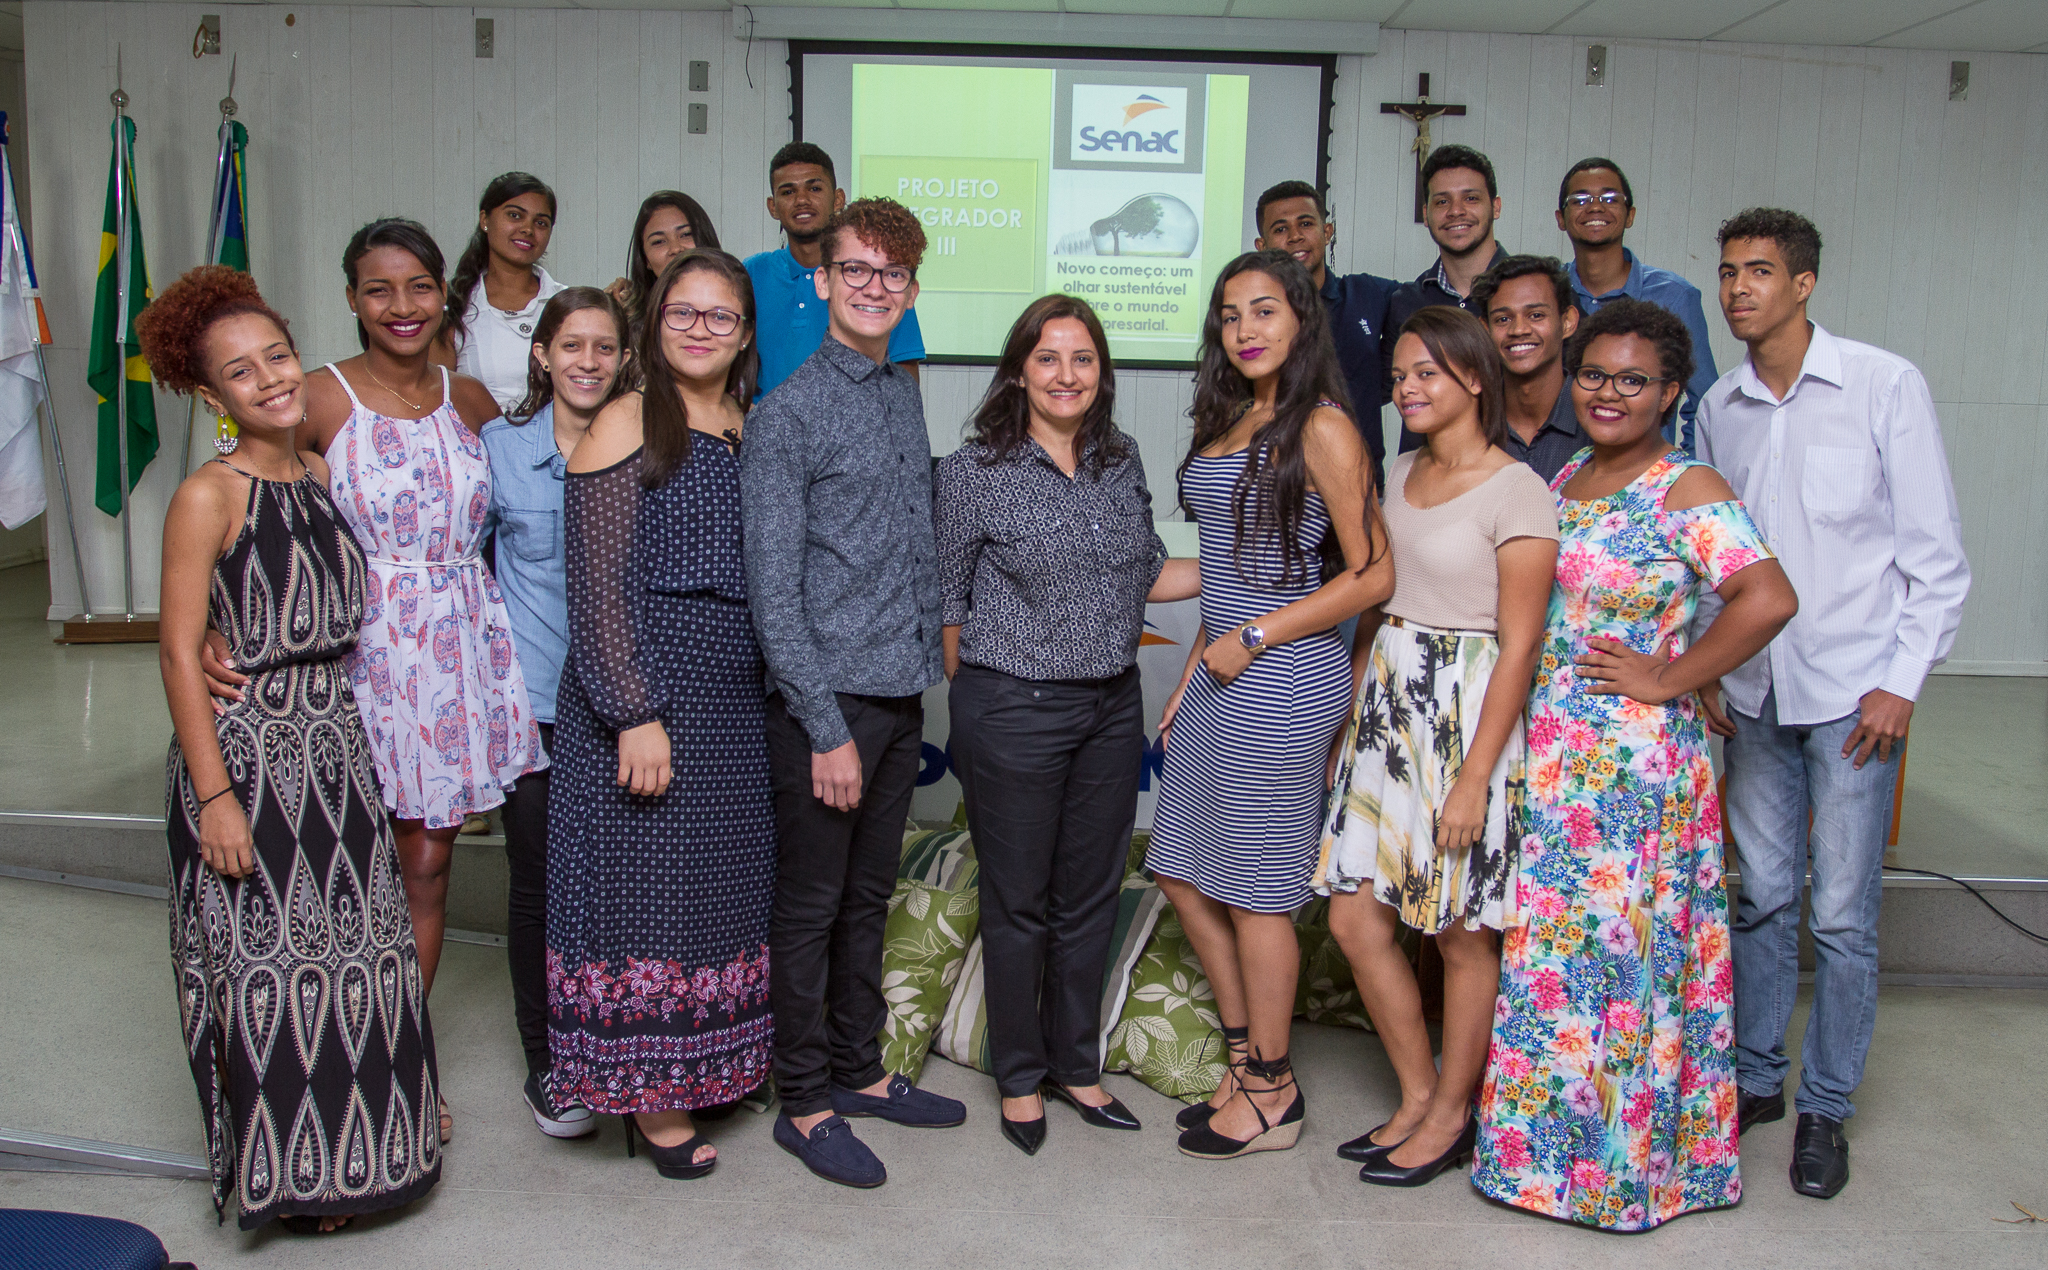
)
(440, 691)
(1610, 1089)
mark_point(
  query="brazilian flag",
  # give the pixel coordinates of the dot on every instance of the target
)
(230, 244)
(115, 350)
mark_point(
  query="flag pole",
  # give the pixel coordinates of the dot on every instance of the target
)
(49, 402)
(122, 196)
(216, 225)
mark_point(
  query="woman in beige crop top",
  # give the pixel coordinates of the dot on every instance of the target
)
(1423, 832)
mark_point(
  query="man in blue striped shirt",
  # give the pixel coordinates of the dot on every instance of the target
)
(1595, 207)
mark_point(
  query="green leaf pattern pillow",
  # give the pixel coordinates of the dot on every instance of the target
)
(924, 947)
(1169, 1035)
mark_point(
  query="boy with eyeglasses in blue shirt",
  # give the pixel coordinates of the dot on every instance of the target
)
(1595, 208)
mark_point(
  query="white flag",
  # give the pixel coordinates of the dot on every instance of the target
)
(22, 493)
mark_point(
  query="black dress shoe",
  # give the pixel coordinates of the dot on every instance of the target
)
(1384, 1172)
(1364, 1150)
(1026, 1135)
(1110, 1115)
(1820, 1156)
(1755, 1109)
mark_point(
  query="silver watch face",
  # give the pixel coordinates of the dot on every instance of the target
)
(1251, 637)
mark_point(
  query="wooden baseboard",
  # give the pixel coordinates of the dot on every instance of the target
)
(109, 630)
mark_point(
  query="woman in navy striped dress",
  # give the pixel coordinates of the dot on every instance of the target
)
(1279, 479)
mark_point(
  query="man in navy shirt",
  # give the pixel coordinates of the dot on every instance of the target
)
(1595, 207)
(1526, 302)
(790, 319)
(1291, 217)
(1461, 202)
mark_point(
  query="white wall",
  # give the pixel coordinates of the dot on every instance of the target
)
(1935, 247)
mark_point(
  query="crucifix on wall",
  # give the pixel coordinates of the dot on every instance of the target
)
(1420, 111)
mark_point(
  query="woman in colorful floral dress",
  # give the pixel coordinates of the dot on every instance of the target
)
(1610, 1089)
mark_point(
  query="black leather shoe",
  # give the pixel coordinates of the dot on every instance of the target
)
(1820, 1156)
(1026, 1135)
(1364, 1150)
(1110, 1115)
(1755, 1109)
(1384, 1172)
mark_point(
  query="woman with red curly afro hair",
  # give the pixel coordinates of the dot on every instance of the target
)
(273, 811)
(441, 694)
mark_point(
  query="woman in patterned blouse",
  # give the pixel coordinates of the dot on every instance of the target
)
(1047, 554)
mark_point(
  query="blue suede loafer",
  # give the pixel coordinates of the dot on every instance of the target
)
(906, 1105)
(832, 1152)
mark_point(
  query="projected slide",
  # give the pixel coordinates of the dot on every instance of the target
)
(1121, 183)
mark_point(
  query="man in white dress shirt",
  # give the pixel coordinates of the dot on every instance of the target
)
(1835, 448)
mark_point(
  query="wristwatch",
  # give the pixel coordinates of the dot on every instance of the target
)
(1253, 638)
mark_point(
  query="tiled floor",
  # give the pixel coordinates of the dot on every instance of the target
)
(1952, 1129)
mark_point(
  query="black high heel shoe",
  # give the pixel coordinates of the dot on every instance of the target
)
(1237, 1043)
(1110, 1115)
(1364, 1150)
(1026, 1135)
(671, 1162)
(1204, 1143)
(1384, 1172)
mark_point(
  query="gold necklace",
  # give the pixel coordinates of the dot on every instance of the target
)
(387, 387)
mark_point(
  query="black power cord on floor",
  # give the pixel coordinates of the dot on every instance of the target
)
(1998, 912)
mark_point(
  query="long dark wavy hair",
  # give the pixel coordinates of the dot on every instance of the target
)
(1459, 342)
(393, 231)
(1272, 491)
(540, 386)
(664, 420)
(469, 269)
(1003, 419)
(639, 277)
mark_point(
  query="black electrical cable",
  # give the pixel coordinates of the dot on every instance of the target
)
(2036, 936)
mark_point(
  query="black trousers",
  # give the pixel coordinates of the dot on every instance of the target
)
(526, 907)
(835, 871)
(1050, 773)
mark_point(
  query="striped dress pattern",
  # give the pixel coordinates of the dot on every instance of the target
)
(1241, 793)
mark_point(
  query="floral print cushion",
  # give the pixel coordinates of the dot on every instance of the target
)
(1169, 1035)
(924, 948)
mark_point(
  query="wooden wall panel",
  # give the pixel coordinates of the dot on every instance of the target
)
(357, 112)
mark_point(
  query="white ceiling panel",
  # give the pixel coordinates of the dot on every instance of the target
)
(1152, 8)
(1010, 6)
(1317, 10)
(1835, 21)
(1517, 16)
(1991, 25)
(1659, 19)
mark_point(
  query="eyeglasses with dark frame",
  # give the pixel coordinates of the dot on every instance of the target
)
(1606, 198)
(895, 278)
(681, 317)
(1628, 383)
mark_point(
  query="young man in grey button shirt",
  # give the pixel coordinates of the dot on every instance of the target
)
(842, 579)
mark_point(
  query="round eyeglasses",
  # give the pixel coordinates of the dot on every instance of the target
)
(681, 317)
(895, 278)
(1628, 383)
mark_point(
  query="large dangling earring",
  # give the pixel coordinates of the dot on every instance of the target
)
(226, 434)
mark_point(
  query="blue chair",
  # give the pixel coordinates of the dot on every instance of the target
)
(31, 1239)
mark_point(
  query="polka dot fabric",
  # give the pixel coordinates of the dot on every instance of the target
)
(658, 906)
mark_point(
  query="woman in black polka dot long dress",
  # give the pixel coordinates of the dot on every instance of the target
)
(661, 830)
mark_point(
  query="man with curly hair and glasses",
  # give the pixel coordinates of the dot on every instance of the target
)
(842, 577)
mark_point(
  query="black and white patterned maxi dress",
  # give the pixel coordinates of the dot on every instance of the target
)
(658, 906)
(299, 984)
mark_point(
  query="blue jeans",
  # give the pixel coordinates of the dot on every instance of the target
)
(1775, 772)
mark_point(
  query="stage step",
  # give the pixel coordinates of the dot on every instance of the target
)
(1930, 931)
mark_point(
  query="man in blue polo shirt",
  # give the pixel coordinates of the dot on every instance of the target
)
(789, 318)
(1595, 207)
(1291, 217)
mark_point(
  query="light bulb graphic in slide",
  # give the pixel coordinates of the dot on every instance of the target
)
(1148, 225)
